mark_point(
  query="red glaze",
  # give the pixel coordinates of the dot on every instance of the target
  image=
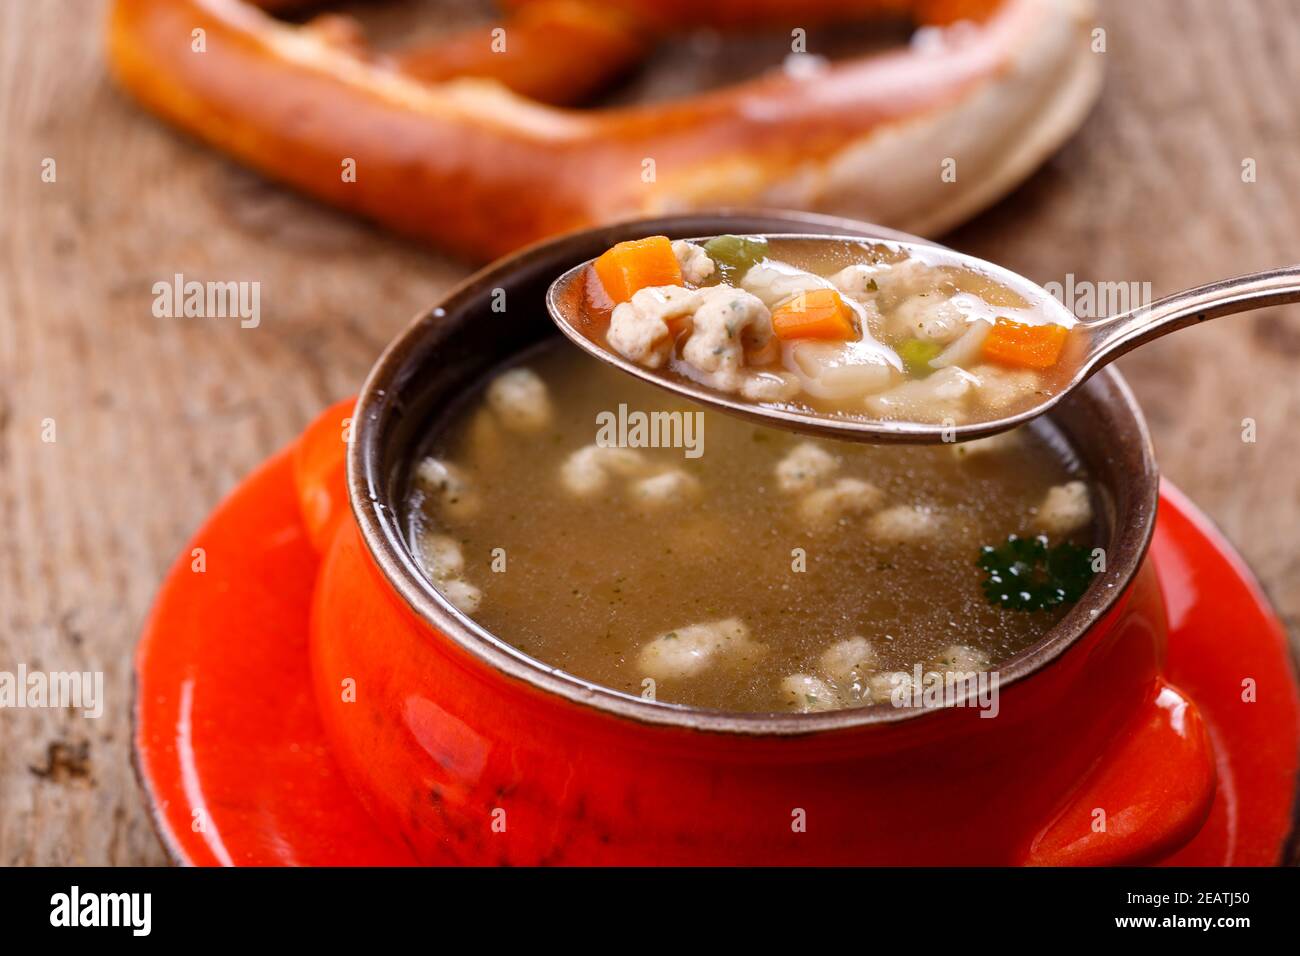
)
(227, 740)
(1214, 605)
(1147, 796)
(436, 742)
(319, 457)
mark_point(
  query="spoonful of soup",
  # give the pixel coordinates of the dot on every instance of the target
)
(860, 339)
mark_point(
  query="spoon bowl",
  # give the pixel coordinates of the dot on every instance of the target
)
(1090, 345)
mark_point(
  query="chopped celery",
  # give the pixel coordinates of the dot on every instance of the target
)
(916, 355)
(734, 255)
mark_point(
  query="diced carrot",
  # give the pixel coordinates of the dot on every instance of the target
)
(814, 314)
(1023, 345)
(637, 264)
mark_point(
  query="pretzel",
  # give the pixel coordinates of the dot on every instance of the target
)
(442, 149)
(559, 51)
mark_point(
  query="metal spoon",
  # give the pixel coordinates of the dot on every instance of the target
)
(1105, 340)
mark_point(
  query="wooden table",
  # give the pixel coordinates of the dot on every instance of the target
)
(156, 419)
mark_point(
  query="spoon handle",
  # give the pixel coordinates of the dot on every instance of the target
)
(1118, 334)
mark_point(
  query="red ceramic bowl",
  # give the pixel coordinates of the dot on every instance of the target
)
(469, 751)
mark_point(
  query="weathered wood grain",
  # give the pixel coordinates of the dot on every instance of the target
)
(156, 419)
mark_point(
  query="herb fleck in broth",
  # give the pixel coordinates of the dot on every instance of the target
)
(597, 568)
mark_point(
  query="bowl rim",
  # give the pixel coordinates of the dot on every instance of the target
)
(379, 520)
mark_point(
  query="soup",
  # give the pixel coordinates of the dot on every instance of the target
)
(737, 567)
(873, 331)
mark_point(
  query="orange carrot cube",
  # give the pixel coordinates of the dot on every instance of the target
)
(637, 264)
(1025, 346)
(814, 314)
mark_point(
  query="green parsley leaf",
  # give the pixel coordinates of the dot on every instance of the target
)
(1024, 574)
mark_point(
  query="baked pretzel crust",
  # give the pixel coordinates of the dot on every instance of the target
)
(477, 169)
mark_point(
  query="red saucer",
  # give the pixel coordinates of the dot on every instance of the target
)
(235, 764)
(225, 722)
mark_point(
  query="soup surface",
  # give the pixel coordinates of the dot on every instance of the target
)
(738, 568)
(867, 330)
